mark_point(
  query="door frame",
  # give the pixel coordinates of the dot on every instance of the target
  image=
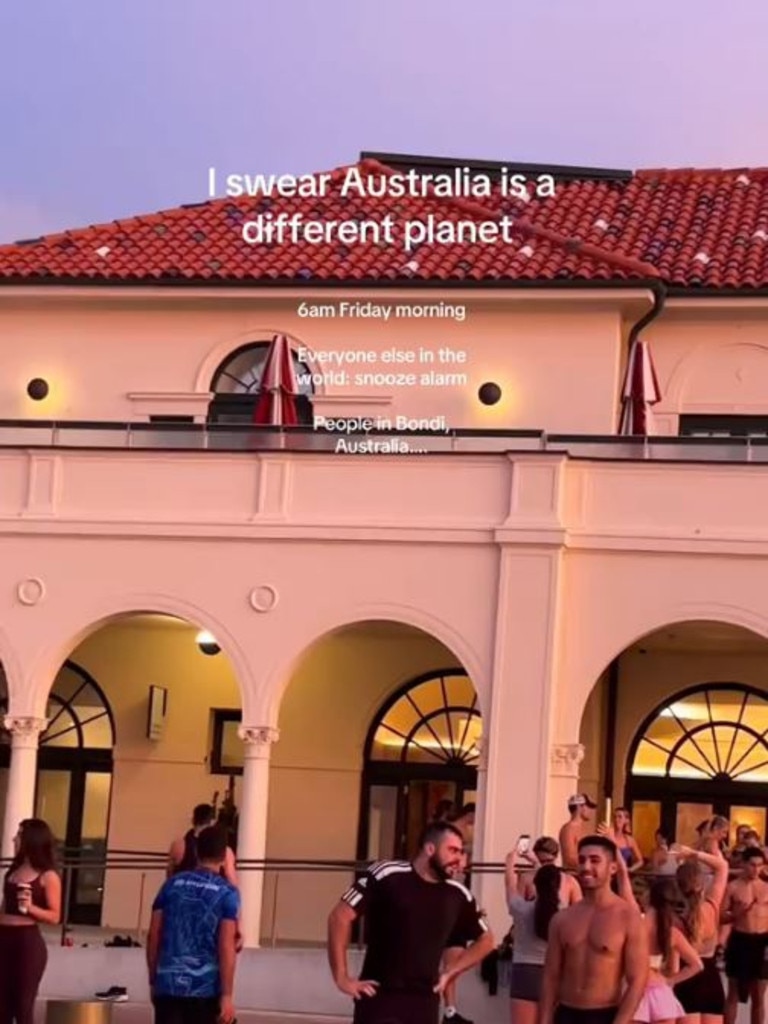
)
(668, 793)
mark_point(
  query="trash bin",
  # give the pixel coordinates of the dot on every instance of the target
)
(75, 1011)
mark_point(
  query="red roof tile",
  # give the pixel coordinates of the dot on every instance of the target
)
(689, 228)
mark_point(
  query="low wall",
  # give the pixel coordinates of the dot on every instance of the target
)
(285, 980)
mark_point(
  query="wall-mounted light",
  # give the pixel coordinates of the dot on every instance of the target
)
(489, 393)
(207, 642)
(37, 389)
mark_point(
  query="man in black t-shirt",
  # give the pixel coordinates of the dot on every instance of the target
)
(413, 913)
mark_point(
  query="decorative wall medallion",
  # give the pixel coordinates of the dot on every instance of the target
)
(263, 598)
(30, 591)
(566, 758)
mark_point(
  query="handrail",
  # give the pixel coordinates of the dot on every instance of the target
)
(252, 438)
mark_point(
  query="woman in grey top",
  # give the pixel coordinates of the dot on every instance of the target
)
(531, 926)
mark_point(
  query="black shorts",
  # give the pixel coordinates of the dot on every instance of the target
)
(397, 1008)
(576, 1015)
(178, 1010)
(704, 992)
(525, 982)
(746, 957)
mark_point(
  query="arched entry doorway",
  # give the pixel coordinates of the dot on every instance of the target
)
(74, 780)
(422, 747)
(704, 751)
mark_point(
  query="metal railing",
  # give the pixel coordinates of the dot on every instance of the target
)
(221, 437)
(280, 879)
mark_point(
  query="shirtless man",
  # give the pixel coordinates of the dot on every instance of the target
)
(746, 964)
(580, 807)
(597, 961)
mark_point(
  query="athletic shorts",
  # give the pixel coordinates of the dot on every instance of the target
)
(746, 960)
(178, 1010)
(703, 993)
(397, 1008)
(577, 1015)
(525, 982)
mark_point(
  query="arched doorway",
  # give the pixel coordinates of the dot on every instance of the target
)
(704, 751)
(422, 747)
(235, 386)
(74, 780)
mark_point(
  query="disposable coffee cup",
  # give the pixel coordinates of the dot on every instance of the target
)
(23, 890)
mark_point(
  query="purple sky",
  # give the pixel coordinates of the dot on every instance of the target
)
(112, 109)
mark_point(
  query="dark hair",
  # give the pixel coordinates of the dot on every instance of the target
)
(752, 853)
(601, 841)
(463, 811)
(36, 846)
(548, 845)
(665, 900)
(444, 810)
(212, 844)
(546, 881)
(690, 882)
(436, 831)
(203, 814)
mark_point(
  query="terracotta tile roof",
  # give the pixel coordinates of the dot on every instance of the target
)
(700, 229)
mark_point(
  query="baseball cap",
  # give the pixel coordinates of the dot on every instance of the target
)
(581, 800)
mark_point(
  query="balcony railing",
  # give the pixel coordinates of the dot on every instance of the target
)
(196, 437)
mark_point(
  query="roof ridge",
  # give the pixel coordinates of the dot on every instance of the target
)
(690, 173)
(527, 227)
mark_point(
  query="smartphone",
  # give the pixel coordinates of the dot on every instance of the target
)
(523, 845)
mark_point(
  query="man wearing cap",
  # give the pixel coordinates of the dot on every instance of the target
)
(580, 807)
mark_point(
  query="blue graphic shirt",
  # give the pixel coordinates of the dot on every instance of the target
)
(193, 905)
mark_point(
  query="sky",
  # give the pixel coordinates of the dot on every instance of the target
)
(109, 110)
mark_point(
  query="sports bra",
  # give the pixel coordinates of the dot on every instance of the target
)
(11, 894)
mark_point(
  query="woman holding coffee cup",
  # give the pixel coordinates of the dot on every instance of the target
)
(31, 896)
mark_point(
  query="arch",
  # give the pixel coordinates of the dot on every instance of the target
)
(726, 762)
(242, 339)
(684, 369)
(277, 678)
(11, 666)
(234, 383)
(657, 618)
(463, 744)
(116, 607)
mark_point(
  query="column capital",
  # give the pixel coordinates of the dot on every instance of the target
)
(25, 730)
(565, 759)
(258, 735)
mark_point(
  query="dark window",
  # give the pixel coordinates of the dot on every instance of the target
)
(723, 426)
(235, 386)
(227, 747)
(162, 418)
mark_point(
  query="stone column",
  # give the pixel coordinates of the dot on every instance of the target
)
(20, 799)
(564, 762)
(252, 825)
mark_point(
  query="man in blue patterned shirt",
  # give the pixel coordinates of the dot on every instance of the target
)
(191, 946)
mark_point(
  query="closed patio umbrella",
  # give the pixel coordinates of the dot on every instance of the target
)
(276, 403)
(640, 392)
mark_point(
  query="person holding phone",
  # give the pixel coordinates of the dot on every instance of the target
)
(518, 876)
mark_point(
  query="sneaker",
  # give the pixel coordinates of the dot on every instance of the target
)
(114, 994)
(457, 1018)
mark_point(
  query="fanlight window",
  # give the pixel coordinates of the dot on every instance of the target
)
(78, 716)
(712, 733)
(237, 381)
(435, 721)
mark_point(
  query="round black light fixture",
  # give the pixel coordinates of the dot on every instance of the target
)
(37, 389)
(489, 393)
(207, 643)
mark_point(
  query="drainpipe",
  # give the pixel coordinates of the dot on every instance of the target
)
(659, 291)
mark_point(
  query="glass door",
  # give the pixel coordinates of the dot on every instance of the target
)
(52, 802)
(688, 817)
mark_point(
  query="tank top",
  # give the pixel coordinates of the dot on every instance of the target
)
(11, 895)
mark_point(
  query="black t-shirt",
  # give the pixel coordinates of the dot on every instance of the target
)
(409, 924)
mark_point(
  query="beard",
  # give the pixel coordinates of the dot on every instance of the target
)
(439, 869)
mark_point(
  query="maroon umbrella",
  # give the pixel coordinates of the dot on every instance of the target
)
(276, 403)
(640, 392)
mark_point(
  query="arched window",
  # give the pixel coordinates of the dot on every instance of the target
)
(236, 384)
(433, 721)
(78, 714)
(423, 747)
(708, 733)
